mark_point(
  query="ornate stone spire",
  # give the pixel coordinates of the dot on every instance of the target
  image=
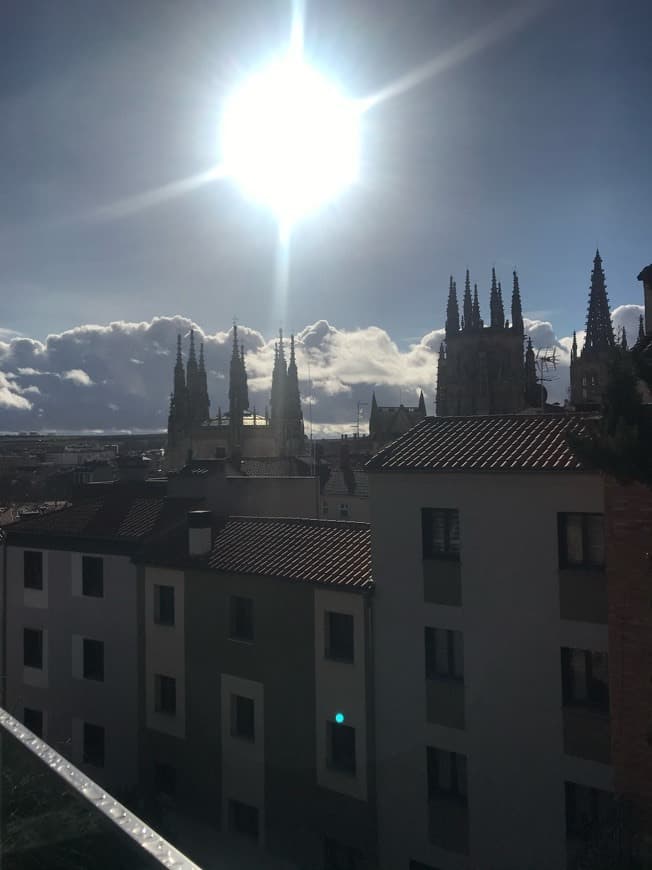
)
(203, 404)
(623, 339)
(452, 310)
(476, 320)
(574, 346)
(497, 311)
(599, 330)
(422, 403)
(468, 304)
(517, 311)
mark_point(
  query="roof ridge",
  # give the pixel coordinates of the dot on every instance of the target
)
(307, 521)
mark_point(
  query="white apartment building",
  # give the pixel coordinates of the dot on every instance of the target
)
(491, 647)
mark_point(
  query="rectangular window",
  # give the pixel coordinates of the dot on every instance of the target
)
(164, 605)
(165, 779)
(243, 819)
(93, 751)
(341, 747)
(444, 654)
(242, 618)
(585, 678)
(33, 719)
(586, 809)
(581, 540)
(339, 856)
(33, 569)
(446, 774)
(344, 511)
(441, 533)
(93, 576)
(93, 651)
(324, 509)
(242, 718)
(165, 695)
(339, 636)
(33, 648)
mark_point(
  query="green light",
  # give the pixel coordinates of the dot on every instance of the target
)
(339, 718)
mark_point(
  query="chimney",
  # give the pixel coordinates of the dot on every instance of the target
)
(200, 532)
(646, 277)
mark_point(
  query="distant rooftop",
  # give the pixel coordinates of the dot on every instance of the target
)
(343, 482)
(509, 442)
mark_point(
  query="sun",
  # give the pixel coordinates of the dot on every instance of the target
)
(290, 138)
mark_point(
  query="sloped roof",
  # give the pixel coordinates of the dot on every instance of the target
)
(341, 482)
(509, 442)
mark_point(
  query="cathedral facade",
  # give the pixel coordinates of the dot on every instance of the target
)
(485, 369)
(239, 433)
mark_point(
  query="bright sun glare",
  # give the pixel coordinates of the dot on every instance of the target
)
(290, 139)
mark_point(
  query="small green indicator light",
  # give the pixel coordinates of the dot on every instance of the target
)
(339, 718)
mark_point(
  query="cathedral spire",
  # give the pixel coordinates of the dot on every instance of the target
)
(203, 410)
(623, 339)
(422, 403)
(468, 304)
(599, 330)
(476, 320)
(293, 412)
(517, 311)
(532, 394)
(641, 328)
(497, 311)
(452, 310)
(574, 346)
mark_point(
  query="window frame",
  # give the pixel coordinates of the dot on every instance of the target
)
(37, 632)
(450, 670)
(94, 674)
(350, 767)
(579, 828)
(329, 652)
(450, 517)
(86, 582)
(242, 830)
(248, 734)
(433, 764)
(39, 585)
(161, 695)
(562, 531)
(161, 614)
(597, 697)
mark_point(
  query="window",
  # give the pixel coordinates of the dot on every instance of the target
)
(33, 569)
(585, 678)
(93, 651)
(344, 511)
(165, 779)
(93, 752)
(242, 618)
(33, 648)
(93, 576)
(242, 718)
(243, 819)
(341, 747)
(444, 654)
(446, 774)
(165, 695)
(441, 533)
(33, 719)
(581, 540)
(586, 808)
(339, 636)
(339, 856)
(164, 605)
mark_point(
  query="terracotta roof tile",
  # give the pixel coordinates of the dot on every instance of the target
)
(509, 442)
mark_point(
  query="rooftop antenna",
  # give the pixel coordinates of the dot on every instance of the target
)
(546, 363)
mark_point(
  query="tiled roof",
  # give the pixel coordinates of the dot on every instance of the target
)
(314, 551)
(119, 512)
(510, 442)
(275, 467)
(343, 483)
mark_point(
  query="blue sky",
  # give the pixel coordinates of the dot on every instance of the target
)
(528, 153)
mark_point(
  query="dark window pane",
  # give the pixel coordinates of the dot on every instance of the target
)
(242, 717)
(33, 719)
(441, 532)
(93, 745)
(585, 678)
(444, 654)
(33, 569)
(164, 605)
(165, 691)
(341, 747)
(93, 659)
(594, 549)
(243, 819)
(581, 538)
(587, 809)
(242, 618)
(33, 648)
(93, 576)
(339, 856)
(339, 636)
(446, 774)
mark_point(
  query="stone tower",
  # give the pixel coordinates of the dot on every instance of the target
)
(481, 368)
(589, 368)
(286, 416)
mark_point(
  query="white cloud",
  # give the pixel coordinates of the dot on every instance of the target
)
(78, 376)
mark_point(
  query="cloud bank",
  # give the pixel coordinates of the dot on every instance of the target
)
(119, 376)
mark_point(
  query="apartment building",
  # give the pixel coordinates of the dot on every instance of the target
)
(72, 622)
(491, 661)
(257, 683)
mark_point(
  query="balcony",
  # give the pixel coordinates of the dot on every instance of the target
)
(52, 815)
(442, 582)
